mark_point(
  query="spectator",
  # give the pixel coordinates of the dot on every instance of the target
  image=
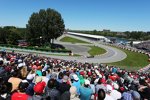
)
(73, 93)
(64, 86)
(39, 90)
(106, 82)
(85, 91)
(76, 82)
(23, 72)
(44, 78)
(65, 96)
(108, 92)
(15, 80)
(51, 90)
(5, 90)
(101, 94)
(20, 93)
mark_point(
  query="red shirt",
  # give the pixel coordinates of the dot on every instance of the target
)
(19, 96)
(113, 78)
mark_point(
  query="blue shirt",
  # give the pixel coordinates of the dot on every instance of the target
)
(114, 70)
(85, 93)
(77, 85)
(39, 72)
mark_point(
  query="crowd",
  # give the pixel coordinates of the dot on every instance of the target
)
(32, 77)
(144, 46)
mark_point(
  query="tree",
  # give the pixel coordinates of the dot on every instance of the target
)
(14, 36)
(47, 24)
(3, 36)
(94, 32)
(11, 35)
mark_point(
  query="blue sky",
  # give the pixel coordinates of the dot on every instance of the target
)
(116, 15)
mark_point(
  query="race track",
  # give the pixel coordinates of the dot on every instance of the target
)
(112, 54)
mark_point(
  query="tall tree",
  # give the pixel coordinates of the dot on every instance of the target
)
(3, 36)
(46, 24)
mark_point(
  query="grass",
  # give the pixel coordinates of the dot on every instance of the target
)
(96, 50)
(72, 40)
(134, 61)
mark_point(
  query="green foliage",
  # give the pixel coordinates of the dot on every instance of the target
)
(44, 26)
(10, 35)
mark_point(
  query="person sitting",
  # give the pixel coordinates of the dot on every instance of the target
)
(76, 82)
(14, 80)
(101, 94)
(51, 91)
(73, 93)
(64, 86)
(85, 91)
(20, 94)
(5, 90)
(38, 90)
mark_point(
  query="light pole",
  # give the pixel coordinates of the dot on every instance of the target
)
(40, 40)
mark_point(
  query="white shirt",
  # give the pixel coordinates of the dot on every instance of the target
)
(108, 97)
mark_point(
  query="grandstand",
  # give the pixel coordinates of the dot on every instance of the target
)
(95, 37)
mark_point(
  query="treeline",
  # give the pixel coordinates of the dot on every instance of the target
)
(133, 35)
(11, 35)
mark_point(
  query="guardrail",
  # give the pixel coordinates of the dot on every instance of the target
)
(146, 68)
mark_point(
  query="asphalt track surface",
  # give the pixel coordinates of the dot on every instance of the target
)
(78, 49)
(112, 54)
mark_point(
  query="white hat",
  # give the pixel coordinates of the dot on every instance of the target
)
(19, 61)
(30, 76)
(64, 67)
(97, 73)
(86, 82)
(75, 77)
(96, 81)
(24, 81)
(116, 86)
(95, 66)
(20, 65)
(1, 59)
